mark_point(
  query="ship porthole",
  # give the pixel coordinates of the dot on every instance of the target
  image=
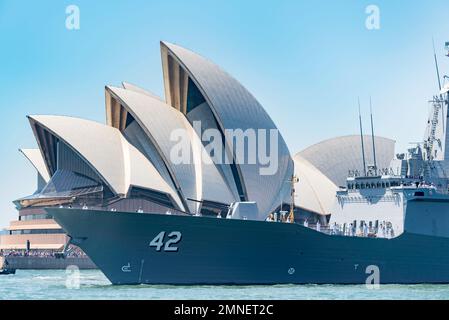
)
(291, 271)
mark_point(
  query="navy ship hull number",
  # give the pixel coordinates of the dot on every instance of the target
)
(166, 243)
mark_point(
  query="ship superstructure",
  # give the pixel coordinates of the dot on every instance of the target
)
(374, 202)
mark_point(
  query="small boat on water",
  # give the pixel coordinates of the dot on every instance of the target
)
(7, 271)
(4, 269)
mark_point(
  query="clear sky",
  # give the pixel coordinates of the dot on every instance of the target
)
(305, 61)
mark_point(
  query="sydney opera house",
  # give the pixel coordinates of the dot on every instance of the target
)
(127, 163)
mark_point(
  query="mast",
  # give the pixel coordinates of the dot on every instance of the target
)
(361, 139)
(446, 47)
(436, 65)
(372, 135)
(445, 102)
(294, 179)
(438, 102)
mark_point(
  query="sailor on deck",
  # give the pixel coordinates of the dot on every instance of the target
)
(365, 230)
(334, 228)
(383, 229)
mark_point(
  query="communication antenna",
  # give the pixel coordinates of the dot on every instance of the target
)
(436, 65)
(372, 135)
(361, 139)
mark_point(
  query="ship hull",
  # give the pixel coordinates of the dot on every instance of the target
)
(237, 252)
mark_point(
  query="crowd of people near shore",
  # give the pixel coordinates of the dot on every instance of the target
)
(72, 252)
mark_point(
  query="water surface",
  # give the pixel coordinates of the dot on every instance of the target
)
(57, 284)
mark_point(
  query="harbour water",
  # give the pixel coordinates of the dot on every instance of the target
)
(92, 284)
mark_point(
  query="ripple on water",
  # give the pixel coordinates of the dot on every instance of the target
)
(51, 284)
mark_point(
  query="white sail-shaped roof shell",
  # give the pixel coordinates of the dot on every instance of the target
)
(108, 153)
(132, 87)
(335, 157)
(314, 192)
(196, 179)
(233, 108)
(34, 156)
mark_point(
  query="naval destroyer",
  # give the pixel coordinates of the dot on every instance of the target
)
(394, 221)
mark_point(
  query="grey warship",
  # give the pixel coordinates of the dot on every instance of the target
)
(223, 222)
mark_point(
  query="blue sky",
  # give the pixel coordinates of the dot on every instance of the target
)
(305, 61)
